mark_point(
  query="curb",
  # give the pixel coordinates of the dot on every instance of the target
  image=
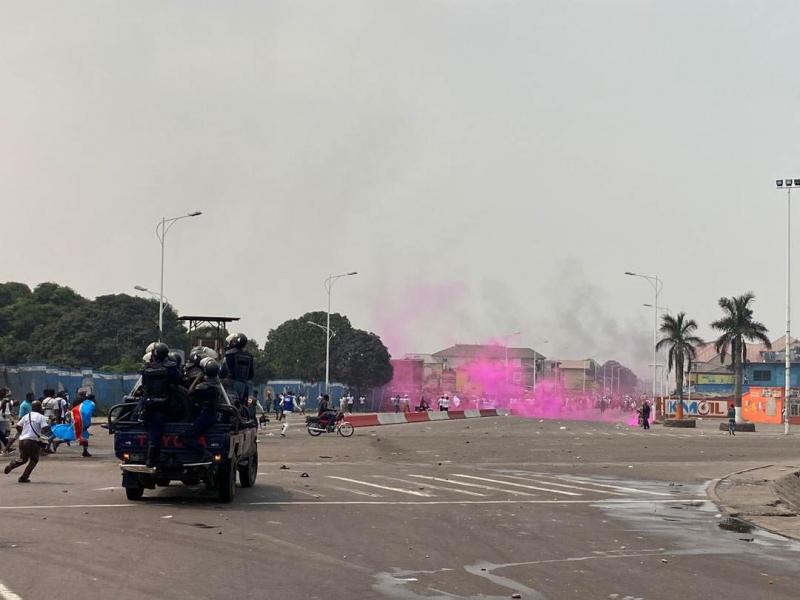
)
(711, 491)
(422, 417)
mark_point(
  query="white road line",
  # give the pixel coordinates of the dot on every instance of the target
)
(357, 492)
(313, 495)
(49, 506)
(382, 487)
(105, 489)
(522, 485)
(564, 485)
(465, 502)
(613, 487)
(433, 487)
(474, 485)
(7, 594)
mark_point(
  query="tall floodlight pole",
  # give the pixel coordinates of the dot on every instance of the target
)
(328, 286)
(787, 184)
(657, 285)
(161, 233)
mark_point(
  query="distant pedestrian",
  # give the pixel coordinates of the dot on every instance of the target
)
(25, 406)
(350, 401)
(645, 415)
(396, 403)
(362, 401)
(731, 419)
(31, 429)
(5, 420)
(301, 402)
(444, 403)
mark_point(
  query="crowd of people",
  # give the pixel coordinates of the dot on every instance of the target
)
(38, 426)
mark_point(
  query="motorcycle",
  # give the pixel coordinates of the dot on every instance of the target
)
(329, 423)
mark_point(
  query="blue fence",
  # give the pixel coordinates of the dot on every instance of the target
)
(109, 388)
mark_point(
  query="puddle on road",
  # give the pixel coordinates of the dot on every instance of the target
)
(734, 524)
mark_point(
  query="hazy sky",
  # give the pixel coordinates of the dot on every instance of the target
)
(487, 166)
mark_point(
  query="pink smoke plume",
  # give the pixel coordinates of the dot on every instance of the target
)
(492, 381)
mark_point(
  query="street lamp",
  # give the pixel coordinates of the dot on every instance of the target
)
(787, 184)
(328, 286)
(657, 285)
(166, 225)
(140, 288)
(329, 332)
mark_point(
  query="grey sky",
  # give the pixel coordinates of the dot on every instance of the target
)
(486, 166)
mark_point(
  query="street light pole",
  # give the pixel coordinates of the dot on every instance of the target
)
(328, 286)
(787, 183)
(657, 285)
(140, 288)
(166, 225)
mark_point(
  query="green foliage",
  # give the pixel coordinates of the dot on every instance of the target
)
(55, 325)
(681, 342)
(296, 350)
(737, 327)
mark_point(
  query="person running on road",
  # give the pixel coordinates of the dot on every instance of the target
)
(731, 419)
(31, 428)
(289, 406)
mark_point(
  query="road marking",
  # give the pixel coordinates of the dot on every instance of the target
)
(470, 502)
(433, 487)
(105, 489)
(50, 506)
(7, 594)
(474, 485)
(357, 492)
(382, 487)
(522, 485)
(561, 485)
(304, 492)
(613, 487)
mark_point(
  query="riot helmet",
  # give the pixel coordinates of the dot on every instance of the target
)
(240, 341)
(230, 341)
(175, 357)
(198, 353)
(210, 367)
(160, 351)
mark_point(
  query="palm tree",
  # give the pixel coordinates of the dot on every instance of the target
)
(737, 327)
(680, 338)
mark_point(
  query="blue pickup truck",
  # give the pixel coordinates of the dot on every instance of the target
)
(232, 443)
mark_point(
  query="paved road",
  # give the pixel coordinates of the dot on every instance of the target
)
(484, 509)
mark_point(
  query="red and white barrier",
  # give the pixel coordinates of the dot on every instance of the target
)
(374, 419)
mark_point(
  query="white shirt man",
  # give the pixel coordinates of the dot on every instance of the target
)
(444, 403)
(49, 405)
(32, 425)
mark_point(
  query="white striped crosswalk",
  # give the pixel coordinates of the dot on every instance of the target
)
(478, 485)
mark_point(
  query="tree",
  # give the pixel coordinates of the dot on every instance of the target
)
(738, 327)
(111, 332)
(296, 349)
(681, 341)
(362, 361)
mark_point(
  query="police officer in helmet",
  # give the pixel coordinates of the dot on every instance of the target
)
(159, 376)
(206, 397)
(239, 365)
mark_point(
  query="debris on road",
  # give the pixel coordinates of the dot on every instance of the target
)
(304, 474)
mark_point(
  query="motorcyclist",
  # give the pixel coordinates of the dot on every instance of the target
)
(239, 365)
(206, 397)
(159, 376)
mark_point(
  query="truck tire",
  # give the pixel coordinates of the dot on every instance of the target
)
(134, 493)
(226, 481)
(249, 472)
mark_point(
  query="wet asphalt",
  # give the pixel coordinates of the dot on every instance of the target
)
(484, 508)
